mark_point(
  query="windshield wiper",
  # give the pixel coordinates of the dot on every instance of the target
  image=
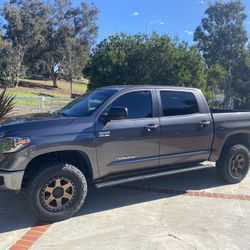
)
(61, 113)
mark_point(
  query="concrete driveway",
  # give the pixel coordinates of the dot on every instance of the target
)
(186, 211)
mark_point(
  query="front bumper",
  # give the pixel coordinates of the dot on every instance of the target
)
(11, 180)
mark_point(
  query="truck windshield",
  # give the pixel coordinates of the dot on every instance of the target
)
(86, 105)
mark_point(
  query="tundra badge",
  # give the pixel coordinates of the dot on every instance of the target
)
(104, 134)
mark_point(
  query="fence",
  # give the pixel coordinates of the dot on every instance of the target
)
(39, 103)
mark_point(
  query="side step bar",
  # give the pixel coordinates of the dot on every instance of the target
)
(153, 175)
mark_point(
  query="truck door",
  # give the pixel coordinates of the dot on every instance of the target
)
(186, 128)
(133, 143)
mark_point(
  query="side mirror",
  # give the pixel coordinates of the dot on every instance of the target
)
(116, 113)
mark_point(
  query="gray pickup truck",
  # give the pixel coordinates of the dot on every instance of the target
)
(115, 135)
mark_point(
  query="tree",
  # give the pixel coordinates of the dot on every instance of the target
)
(69, 35)
(25, 20)
(242, 83)
(8, 61)
(221, 38)
(145, 59)
(216, 75)
(80, 25)
(46, 39)
(55, 36)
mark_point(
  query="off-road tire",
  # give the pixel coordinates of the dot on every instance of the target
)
(225, 166)
(53, 172)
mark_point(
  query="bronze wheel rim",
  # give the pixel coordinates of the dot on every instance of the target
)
(58, 194)
(237, 165)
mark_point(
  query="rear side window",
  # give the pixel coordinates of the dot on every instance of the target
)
(178, 103)
(139, 104)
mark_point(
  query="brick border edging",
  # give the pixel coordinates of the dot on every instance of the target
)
(171, 192)
(30, 237)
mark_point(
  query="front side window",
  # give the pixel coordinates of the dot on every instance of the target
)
(86, 105)
(138, 104)
(178, 103)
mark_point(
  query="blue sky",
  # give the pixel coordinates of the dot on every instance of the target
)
(173, 17)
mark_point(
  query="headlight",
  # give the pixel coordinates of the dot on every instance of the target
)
(12, 144)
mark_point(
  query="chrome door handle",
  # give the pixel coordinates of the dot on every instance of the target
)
(150, 127)
(205, 123)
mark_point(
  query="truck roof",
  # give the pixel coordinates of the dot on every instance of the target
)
(122, 87)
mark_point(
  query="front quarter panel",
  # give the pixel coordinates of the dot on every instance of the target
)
(77, 135)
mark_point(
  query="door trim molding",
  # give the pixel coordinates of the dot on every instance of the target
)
(169, 156)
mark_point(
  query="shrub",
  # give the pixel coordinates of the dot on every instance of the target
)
(6, 103)
(145, 59)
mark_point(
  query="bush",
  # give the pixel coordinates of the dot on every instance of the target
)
(145, 59)
(6, 103)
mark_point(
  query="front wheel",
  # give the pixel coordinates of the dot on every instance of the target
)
(233, 164)
(57, 192)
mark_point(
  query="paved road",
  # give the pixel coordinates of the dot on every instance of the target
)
(146, 215)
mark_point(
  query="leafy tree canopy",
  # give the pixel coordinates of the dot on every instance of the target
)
(37, 36)
(145, 59)
(25, 21)
(222, 38)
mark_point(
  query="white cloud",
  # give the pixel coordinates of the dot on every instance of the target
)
(200, 1)
(136, 13)
(248, 22)
(190, 33)
(158, 22)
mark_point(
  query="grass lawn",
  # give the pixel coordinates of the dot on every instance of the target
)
(44, 88)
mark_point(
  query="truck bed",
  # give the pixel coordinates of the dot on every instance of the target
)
(227, 123)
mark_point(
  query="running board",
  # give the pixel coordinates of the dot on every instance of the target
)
(158, 174)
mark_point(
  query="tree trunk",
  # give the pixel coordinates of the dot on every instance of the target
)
(53, 75)
(228, 89)
(71, 86)
(18, 68)
(17, 74)
(54, 78)
(13, 84)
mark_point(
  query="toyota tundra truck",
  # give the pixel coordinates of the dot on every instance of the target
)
(115, 135)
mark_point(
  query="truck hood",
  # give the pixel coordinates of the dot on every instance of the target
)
(20, 119)
(24, 124)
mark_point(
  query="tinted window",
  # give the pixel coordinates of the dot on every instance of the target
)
(178, 103)
(139, 104)
(87, 104)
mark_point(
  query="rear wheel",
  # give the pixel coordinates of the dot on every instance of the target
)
(57, 192)
(233, 164)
